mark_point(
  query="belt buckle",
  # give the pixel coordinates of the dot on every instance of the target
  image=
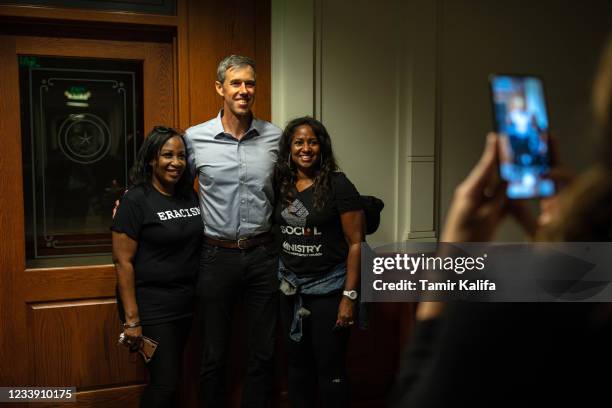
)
(240, 241)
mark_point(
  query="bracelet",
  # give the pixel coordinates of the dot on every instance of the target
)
(131, 325)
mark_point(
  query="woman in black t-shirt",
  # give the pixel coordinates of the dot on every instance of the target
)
(320, 225)
(156, 240)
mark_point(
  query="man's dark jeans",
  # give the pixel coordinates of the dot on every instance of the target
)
(228, 276)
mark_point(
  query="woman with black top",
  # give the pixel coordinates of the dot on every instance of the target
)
(320, 223)
(156, 240)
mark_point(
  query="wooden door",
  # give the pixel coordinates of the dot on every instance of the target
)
(59, 325)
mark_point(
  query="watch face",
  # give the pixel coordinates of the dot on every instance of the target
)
(351, 294)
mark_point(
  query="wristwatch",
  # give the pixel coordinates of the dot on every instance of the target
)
(351, 294)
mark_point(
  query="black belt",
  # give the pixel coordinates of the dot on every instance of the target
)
(241, 243)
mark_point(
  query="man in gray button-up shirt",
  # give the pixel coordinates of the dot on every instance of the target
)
(233, 156)
(235, 176)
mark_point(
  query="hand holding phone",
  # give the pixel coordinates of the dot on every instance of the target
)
(521, 119)
(146, 347)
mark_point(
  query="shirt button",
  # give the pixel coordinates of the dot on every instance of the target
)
(242, 201)
(244, 219)
(242, 182)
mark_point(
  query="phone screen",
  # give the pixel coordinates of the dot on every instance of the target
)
(521, 120)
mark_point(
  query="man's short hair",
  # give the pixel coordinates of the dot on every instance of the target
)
(233, 61)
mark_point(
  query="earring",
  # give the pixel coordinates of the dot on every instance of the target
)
(321, 165)
(289, 160)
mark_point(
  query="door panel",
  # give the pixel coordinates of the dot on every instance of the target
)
(79, 345)
(49, 284)
(59, 325)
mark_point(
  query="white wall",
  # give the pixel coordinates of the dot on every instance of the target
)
(402, 87)
(292, 60)
(358, 98)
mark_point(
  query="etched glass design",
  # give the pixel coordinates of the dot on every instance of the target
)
(81, 127)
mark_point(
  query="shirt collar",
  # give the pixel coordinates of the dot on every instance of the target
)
(255, 129)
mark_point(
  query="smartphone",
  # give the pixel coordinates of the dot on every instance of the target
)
(147, 348)
(520, 117)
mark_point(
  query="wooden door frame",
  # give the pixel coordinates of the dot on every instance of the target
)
(21, 286)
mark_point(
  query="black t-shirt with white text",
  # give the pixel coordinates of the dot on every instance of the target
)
(312, 240)
(169, 232)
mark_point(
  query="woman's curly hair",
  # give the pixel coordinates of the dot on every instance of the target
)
(285, 170)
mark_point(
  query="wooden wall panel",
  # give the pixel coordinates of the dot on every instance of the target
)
(181, 53)
(217, 29)
(159, 100)
(76, 344)
(263, 57)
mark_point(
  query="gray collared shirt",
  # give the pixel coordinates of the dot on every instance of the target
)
(235, 177)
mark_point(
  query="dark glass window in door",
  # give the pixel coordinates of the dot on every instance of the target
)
(81, 128)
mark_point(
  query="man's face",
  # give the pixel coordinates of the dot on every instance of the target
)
(238, 90)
